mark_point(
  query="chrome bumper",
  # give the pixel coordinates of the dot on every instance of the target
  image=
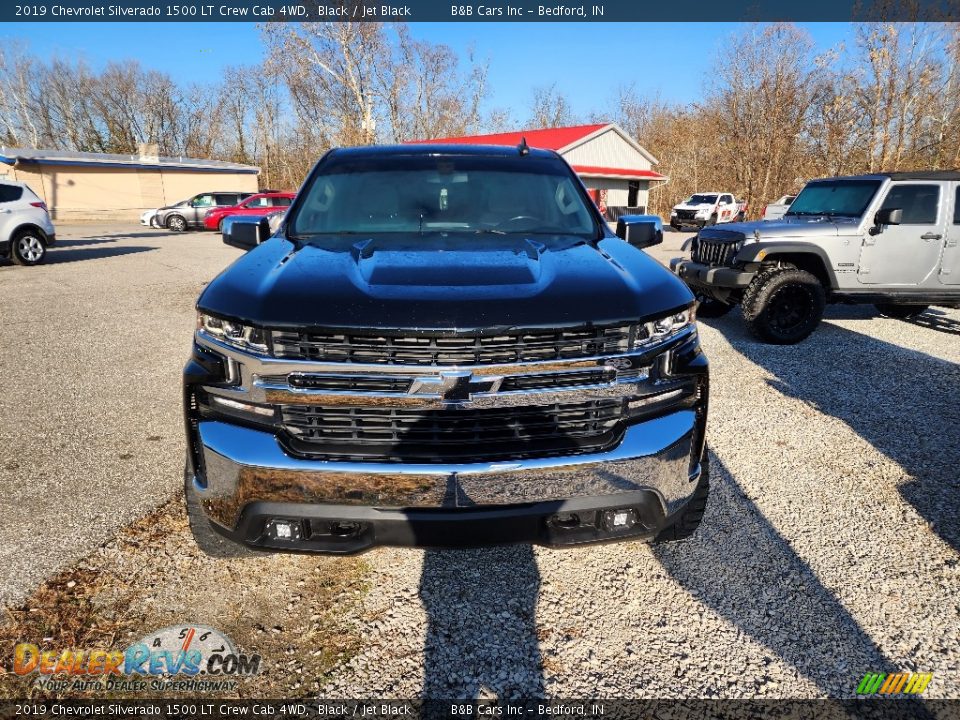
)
(245, 466)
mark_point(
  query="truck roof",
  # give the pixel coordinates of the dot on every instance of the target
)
(440, 149)
(905, 175)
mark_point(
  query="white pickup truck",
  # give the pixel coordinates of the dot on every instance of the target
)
(707, 208)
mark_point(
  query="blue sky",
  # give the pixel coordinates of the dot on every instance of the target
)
(587, 61)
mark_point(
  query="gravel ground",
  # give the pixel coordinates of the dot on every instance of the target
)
(829, 547)
(92, 344)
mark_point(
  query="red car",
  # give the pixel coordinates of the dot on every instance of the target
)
(253, 205)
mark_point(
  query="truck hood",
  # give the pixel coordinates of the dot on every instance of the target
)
(792, 227)
(698, 206)
(443, 282)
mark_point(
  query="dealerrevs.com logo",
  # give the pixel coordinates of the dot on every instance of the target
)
(894, 683)
(180, 657)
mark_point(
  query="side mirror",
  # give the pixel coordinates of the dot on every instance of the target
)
(246, 231)
(640, 230)
(889, 216)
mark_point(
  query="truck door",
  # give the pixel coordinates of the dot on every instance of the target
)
(950, 260)
(908, 253)
(725, 209)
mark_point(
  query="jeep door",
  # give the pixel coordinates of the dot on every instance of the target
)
(950, 261)
(908, 253)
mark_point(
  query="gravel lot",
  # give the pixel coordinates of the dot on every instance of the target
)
(829, 548)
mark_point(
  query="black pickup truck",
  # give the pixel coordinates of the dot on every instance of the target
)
(444, 345)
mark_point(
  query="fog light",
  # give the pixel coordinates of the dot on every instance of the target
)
(279, 529)
(243, 407)
(620, 519)
(565, 520)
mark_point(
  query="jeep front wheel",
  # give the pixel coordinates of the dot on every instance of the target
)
(900, 312)
(784, 305)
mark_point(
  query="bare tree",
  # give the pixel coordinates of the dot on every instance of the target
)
(550, 108)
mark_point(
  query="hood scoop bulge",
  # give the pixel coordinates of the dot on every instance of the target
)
(508, 263)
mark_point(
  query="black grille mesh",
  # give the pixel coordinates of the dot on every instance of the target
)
(452, 350)
(452, 434)
(713, 252)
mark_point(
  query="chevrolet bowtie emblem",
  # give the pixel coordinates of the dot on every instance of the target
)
(455, 386)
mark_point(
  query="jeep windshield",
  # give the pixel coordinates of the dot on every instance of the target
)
(834, 198)
(443, 193)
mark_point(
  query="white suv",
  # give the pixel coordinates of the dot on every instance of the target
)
(25, 227)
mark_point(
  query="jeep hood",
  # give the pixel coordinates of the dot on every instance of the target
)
(443, 282)
(792, 227)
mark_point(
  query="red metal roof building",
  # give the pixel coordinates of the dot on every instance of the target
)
(617, 171)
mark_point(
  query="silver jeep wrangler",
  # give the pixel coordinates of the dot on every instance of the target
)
(890, 239)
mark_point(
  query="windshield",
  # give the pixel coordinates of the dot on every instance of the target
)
(702, 200)
(842, 198)
(423, 193)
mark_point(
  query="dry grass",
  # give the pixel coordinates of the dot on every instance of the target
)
(298, 612)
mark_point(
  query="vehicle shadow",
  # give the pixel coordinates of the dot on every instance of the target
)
(936, 320)
(901, 401)
(55, 257)
(778, 599)
(481, 613)
(83, 242)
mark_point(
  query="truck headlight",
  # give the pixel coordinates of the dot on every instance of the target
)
(668, 325)
(242, 337)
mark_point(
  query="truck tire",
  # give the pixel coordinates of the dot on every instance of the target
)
(900, 312)
(208, 540)
(688, 520)
(708, 307)
(28, 248)
(784, 305)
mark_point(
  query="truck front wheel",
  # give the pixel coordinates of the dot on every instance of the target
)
(688, 519)
(784, 305)
(208, 540)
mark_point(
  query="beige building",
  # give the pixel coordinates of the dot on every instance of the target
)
(80, 186)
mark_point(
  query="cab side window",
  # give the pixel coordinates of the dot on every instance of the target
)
(726, 199)
(918, 202)
(260, 202)
(203, 201)
(10, 193)
(281, 202)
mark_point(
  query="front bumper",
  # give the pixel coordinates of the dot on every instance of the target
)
(251, 479)
(697, 274)
(248, 478)
(697, 222)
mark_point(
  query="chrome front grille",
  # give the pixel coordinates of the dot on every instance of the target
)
(525, 346)
(410, 434)
(402, 384)
(714, 252)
